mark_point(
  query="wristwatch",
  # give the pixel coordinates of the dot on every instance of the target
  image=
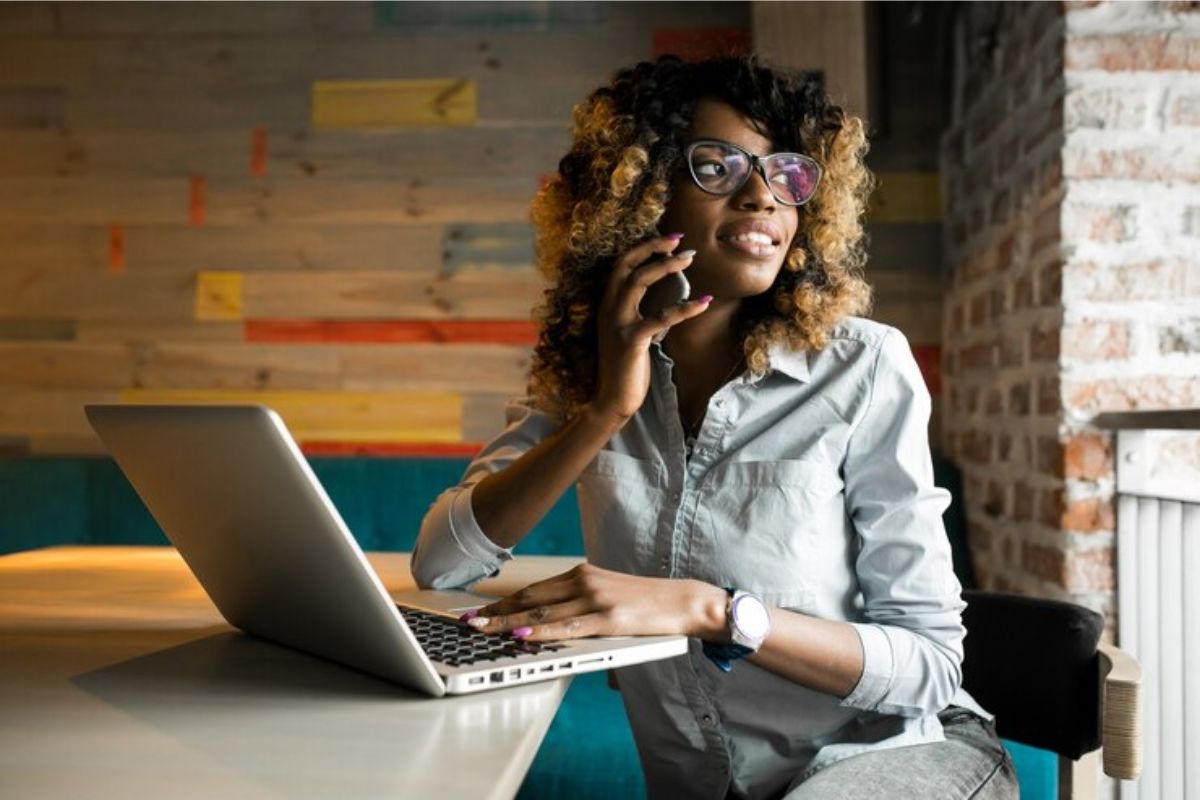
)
(749, 623)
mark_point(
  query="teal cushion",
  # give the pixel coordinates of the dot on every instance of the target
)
(588, 751)
(1037, 770)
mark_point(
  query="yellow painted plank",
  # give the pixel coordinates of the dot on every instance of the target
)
(323, 416)
(906, 197)
(219, 295)
(393, 104)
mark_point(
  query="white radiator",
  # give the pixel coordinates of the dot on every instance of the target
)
(1158, 602)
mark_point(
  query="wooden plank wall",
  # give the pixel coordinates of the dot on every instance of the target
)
(319, 205)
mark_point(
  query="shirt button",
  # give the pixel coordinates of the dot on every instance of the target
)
(720, 403)
(707, 719)
(675, 497)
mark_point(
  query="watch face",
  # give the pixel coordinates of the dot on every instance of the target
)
(750, 615)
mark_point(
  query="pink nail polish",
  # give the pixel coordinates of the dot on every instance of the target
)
(675, 236)
(470, 615)
(705, 299)
(520, 633)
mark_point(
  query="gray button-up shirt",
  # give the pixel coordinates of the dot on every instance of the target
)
(811, 486)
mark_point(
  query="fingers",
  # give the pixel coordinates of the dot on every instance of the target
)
(575, 627)
(641, 278)
(539, 618)
(673, 315)
(634, 257)
(554, 589)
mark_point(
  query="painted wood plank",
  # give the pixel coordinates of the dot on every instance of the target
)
(217, 365)
(371, 295)
(219, 295)
(183, 19)
(393, 103)
(697, 44)
(391, 331)
(402, 154)
(144, 332)
(49, 292)
(497, 245)
(65, 365)
(448, 368)
(911, 197)
(49, 412)
(534, 15)
(32, 107)
(338, 416)
(37, 329)
(182, 249)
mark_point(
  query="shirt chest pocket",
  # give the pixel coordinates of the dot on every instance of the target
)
(618, 496)
(761, 523)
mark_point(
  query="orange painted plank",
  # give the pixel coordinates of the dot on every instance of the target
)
(929, 359)
(116, 249)
(392, 331)
(390, 449)
(696, 44)
(196, 200)
(258, 152)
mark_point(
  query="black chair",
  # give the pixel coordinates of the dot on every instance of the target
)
(1040, 667)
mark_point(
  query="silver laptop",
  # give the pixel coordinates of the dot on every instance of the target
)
(236, 497)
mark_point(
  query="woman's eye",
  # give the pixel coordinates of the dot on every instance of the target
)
(718, 169)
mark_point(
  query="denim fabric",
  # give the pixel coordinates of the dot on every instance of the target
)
(971, 764)
(811, 485)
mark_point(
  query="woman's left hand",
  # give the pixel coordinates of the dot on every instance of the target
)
(592, 601)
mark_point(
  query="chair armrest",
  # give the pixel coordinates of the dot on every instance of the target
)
(1121, 682)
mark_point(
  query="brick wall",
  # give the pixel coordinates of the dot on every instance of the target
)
(1070, 179)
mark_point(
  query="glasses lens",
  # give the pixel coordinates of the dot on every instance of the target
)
(718, 169)
(793, 177)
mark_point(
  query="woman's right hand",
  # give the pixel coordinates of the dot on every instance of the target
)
(625, 335)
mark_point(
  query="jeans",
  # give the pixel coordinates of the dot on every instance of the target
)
(971, 764)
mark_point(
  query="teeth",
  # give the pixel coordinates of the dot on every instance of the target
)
(759, 238)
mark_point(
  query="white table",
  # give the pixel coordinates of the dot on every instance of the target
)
(118, 678)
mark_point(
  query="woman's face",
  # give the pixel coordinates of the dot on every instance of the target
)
(722, 268)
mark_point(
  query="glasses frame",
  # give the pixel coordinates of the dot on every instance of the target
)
(756, 163)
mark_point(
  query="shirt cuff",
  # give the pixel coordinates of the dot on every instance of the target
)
(878, 667)
(470, 538)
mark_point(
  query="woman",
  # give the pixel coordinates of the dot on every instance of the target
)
(753, 465)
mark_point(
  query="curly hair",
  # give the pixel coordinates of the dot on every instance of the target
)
(613, 186)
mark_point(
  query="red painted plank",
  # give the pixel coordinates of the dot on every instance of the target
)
(408, 450)
(392, 331)
(929, 359)
(696, 44)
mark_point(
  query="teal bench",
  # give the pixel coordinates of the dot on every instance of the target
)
(588, 751)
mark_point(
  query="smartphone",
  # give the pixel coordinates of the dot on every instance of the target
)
(669, 290)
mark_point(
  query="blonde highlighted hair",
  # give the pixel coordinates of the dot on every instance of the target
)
(614, 185)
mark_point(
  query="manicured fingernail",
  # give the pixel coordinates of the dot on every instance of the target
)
(675, 236)
(685, 254)
(470, 615)
(478, 622)
(705, 299)
(522, 632)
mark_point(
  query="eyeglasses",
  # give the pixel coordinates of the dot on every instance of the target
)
(722, 168)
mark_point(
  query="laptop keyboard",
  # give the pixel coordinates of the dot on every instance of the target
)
(457, 644)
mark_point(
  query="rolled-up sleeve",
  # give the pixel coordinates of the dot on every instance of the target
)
(912, 631)
(452, 551)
